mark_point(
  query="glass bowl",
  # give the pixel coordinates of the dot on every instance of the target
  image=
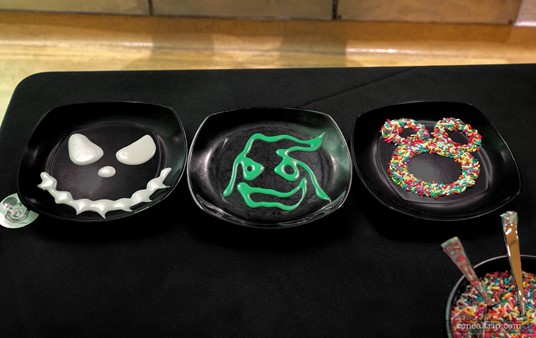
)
(469, 323)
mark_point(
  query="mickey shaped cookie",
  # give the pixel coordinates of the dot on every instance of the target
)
(440, 144)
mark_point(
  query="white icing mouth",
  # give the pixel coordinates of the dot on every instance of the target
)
(103, 206)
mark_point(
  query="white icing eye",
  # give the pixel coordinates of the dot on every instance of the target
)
(138, 152)
(82, 151)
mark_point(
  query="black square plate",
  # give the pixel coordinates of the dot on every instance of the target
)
(269, 167)
(497, 184)
(111, 126)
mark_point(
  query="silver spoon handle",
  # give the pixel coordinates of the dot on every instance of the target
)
(511, 239)
(454, 249)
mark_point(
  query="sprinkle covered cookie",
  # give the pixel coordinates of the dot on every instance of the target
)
(440, 144)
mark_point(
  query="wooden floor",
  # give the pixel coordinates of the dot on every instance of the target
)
(32, 43)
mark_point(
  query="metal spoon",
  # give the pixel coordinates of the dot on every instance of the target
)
(454, 249)
(511, 239)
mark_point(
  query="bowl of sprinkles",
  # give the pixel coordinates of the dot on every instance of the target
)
(468, 315)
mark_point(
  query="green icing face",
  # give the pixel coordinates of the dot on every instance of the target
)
(288, 168)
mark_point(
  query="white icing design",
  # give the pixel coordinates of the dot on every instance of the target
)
(103, 206)
(82, 151)
(107, 171)
(137, 152)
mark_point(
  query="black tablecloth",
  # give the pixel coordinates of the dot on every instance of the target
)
(359, 272)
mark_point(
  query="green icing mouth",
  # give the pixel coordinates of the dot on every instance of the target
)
(288, 169)
(246, 191)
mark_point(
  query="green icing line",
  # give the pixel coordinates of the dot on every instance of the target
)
(252, 169)
(246, 191)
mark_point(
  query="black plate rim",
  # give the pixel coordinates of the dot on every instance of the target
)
(260, 225)
(403, 211)
(169, 191)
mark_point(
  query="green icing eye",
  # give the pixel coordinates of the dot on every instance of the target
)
(251, 169)
(287, 168)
